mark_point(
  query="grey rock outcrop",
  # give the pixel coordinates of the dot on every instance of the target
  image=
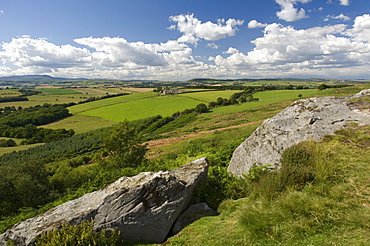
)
(304, 120)
(142, 208)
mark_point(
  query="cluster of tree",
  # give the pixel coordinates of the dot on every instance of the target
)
(240, 97)
(7, 143)
(22, 123)
(47, 172)
(38, 115)
(33, 134)
(13, 99)
(325, 86)
(26, 92)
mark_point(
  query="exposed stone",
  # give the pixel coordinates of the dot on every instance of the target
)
(304, 120)
(193, 213)
(142, 208)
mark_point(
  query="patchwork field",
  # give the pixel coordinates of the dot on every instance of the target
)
(209, 96)
(9, 93)
(105, 112)
(146, 107)
(58, 91)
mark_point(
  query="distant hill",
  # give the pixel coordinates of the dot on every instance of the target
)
(40, 78)
(30, 80)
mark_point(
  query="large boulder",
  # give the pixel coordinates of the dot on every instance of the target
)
(142, 208)
(304, 120)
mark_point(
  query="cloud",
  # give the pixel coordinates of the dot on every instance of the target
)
(24, 52)
(2, 12)
(112, 52)
(283, 49)
(255, 24)
(338, 17)
(212, 46)
(289, 12)
(231, 50)
(361, 29)
(344, 2)
(105, 56)
(193, 29)
(330, 51)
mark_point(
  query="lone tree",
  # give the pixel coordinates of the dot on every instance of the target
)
(322, 87)
(201, 108)
(124, 144)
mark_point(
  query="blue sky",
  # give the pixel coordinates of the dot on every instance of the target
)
(180, 40)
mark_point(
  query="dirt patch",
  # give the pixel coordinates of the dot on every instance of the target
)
(169, 141)
(362, 104)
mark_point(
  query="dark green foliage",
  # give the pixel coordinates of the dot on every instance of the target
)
(24, 184)
(322, 87)
(201, 108)
(82, 234)
(13, 99)
(7, 143)
(297, 166)
(297, 170)
(26, 92)
(58, 150)
(124, 144)
(22, 123)
(35, 115)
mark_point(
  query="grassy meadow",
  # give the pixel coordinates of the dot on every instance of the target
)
(331, 209)
(327, 204)
(144, 108)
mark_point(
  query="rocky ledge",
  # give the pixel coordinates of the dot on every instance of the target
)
(142, 208)
(304, 120)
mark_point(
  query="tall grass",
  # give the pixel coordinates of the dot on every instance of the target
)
(320, 196)
(313, 199)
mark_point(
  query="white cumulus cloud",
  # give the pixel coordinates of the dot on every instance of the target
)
(116, 51)
(338, 17)
(344, 2)
(212, 46)
(25, 51)
(284, 49)
(361, 29)
(255, 24)
(193, 29)
(289, 12)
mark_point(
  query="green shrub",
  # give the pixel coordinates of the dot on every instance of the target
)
(297, 165)
(82, 234)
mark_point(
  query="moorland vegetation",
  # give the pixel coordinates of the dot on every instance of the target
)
(320, 195)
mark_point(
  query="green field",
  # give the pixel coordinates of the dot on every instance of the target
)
(142, 105)
(9, 93)
(109, 101)
(147, 107)
(80, 123)
(270, 97)
(209, 96)
(58, 91)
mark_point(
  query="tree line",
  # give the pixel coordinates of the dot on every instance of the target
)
(22, 123)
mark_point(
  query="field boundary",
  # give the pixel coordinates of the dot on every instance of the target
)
(169, 141)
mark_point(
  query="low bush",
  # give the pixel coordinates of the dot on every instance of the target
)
(82, 234)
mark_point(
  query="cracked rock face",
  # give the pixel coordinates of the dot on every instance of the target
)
(304, 120)
(142, 208)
